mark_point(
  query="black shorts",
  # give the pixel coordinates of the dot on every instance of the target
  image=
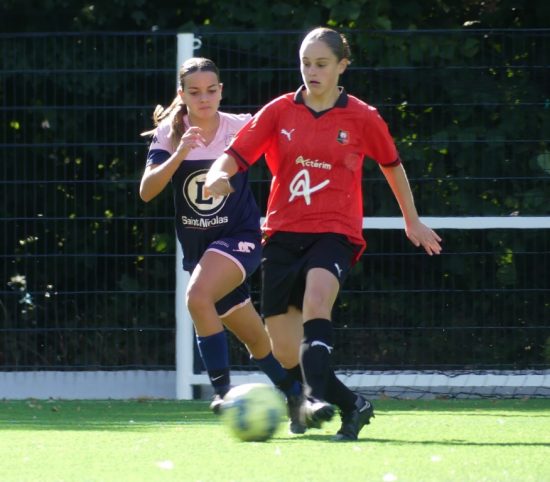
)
(286, 260)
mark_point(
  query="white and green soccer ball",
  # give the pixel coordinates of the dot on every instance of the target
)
(253, 411)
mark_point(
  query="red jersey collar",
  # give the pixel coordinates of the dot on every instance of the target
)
(342, 100)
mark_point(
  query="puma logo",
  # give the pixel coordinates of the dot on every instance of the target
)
(320, 343)
(288, 134)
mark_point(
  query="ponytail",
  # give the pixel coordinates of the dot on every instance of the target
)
(176, 111)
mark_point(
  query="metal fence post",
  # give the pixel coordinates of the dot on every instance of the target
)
(184, 323)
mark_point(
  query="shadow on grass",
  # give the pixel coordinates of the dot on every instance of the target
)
(456, 442)
(143, 415)
(470, 406)
(408, 442)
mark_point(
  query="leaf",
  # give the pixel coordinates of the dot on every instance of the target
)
(128, 284)
(470, 47)
(543, 160)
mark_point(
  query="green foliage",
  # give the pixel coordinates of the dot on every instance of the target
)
(120, 15)
(468, 109)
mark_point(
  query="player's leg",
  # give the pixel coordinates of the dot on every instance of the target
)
(213, 277)
(225, 266)
(320, 293)
(286, 332)
(246, 324)
(329, 262)
(281, 297)
(281, 265)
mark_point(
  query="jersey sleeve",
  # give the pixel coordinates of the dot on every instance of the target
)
(160, 148)
(380, 145)
(254, 138)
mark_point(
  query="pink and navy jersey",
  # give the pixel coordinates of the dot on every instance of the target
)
(202, 219)
(316, 161)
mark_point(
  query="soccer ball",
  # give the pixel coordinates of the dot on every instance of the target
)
(253, 411)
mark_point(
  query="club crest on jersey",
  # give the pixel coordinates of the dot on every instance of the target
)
(196, 198)
(342, 137)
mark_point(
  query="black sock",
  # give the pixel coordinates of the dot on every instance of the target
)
(315, 356)
(339, 394)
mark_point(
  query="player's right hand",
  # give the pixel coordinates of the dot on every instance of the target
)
(217, 184)
(191, 139)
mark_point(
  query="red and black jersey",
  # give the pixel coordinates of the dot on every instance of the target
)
(316, 160)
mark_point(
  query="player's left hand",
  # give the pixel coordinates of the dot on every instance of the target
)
(421, 235)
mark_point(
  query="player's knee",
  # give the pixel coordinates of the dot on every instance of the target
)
(197, 298)
(315, 305)
(252, 335)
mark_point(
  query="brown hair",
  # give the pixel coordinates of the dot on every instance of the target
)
(336, 41)
(177, 109)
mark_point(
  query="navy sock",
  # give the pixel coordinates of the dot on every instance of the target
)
(278, 375)
(215, 356)
(295, 380)
(315, 356)
(295, 373)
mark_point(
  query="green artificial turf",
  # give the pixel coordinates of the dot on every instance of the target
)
(153, 440)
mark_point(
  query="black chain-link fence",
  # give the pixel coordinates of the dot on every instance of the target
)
(87, 269)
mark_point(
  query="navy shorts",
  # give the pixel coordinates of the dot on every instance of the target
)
(287, 258)
(246, 252)
(240, 296)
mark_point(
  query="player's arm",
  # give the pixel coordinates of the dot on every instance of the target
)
(217, 180)
(417, 232)
(250, 142)
(155, 178)
(158, 174)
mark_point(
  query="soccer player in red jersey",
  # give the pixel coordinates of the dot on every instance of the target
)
(314, 142)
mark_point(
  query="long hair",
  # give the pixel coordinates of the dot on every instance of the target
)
(177, 109)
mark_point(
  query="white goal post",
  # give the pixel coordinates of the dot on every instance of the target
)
(473, 222)
(414, 382)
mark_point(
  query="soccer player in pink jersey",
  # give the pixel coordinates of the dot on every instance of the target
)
(315, 141)
(220, 235)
